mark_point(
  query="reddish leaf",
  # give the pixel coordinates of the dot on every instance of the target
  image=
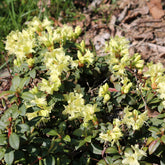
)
(113, 90)
(153, 146)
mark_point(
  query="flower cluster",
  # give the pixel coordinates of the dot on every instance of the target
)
(156, 78)
(113, 135)
(104, 92)
(133, 119)
(21, 44)
(84, 55)
(76, 107)
(118, 59)
(43, 111)
(132, 158)
(130, 119)
(56, 62)
(38, 33)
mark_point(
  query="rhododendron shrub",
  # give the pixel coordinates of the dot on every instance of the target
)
(68, 105)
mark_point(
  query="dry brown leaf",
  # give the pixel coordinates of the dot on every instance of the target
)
(155, 8)
(152, 113)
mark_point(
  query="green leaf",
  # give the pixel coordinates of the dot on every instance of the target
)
(149, 140)
(9, 157)
(2, 152)
(116, 157)
(15, 111)
(78, 132)
(2, 125)
(154, 130)
(111, 150)
(149, 96)
(6, 93)
(163, 139)
(50, 160)
(22, 110)
(108, 160)
(162, 162)
(32, 73)
(160, 108)
(131, 100)
(24, 81)
(23, 128)
(67, 138)
(14, 141)
(3, 139)
(155, 100)
(102, 162)
(88, 139)
(153, 146)
(96, 150)
(53, 133)
(15, 83)
(81, 143)
(27, 96)
(117, 162)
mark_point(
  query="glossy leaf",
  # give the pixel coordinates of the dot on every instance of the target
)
(2, 125)
(24, 82)
(67, 138)
(111, 150)
(9, 157)
(96, 150)
(23, 128)
(78, 132)
(102, 162)
(149, 140)
(14, 141)
(53, 132)
(108, 160)
(50, 160)
(32, 73)
(3, 139)
(27, 96)
(5, 94)
(153, 146)
(15, 83)
(163, 139)
(154, 129)
(2, 152)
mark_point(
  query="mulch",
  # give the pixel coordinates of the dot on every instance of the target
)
(142, 22)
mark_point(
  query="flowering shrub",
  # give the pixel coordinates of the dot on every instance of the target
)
(67, 105)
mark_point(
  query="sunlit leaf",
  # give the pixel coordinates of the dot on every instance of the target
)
(153, 146)
(96, 150)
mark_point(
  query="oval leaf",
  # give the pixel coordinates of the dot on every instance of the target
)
(153, 146)
(14, 141)
(149, 140)
(163, 139)
(111, 150)
(154, 129)
(49, 160)
(102, 162)
(15, 83)
(27, 96)
(24, 82)
(96, 150)
(9, 157)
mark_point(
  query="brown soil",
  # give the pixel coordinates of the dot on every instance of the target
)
(142, 22)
